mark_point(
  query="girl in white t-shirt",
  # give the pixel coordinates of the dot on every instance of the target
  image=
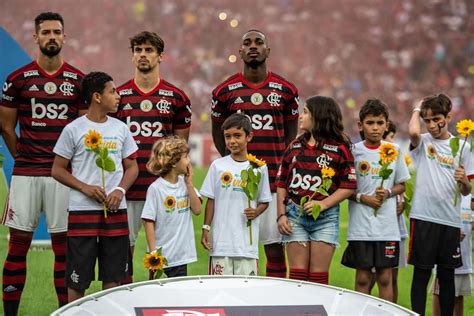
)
(169, 200)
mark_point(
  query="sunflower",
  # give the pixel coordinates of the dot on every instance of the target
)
(407, 159)
(387, 153)
(169, 202)
(93, 139)
(226, 178)
(363, 167)
(327, 172)
(154, 261)
(431, 151)
(255, 162)
(465, 127)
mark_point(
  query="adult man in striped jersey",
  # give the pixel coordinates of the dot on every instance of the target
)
(271, 102)
(42, 97)
(152, 108)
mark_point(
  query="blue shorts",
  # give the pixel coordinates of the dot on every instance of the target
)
(325, 228)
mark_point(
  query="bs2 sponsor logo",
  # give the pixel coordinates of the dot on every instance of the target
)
(50, 111)
(145, 128)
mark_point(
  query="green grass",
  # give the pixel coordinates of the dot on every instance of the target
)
(39, 298)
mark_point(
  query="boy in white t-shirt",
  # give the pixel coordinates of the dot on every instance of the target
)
(91, 235)
(227, 212)
(462, 275)
(434, 219)
(169, 203)
(374, 239)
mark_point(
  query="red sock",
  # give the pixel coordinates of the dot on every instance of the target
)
(276, 263)
(299, 274)
(14, 271)
(319, 277)
(58, 243)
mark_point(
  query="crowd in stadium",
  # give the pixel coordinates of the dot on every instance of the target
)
(395, 50)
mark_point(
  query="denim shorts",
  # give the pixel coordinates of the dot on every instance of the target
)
(325, 228)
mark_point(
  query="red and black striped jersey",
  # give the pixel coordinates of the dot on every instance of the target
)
(150, 117)
(300, 170)
(268, 105)
(45, 103)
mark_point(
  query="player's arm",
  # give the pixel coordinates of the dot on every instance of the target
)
(183, 133)
(337, 197)
(208, 217)
(414, 127)
(8, 119)
(150, 233)
(291, 130)
(130, 174)
(282, 220)
(62, 175)
(218, 138)
(253, 213)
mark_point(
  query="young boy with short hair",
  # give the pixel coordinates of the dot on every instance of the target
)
(231, 250)
(90, 234)
(374, 238)
(434, 219)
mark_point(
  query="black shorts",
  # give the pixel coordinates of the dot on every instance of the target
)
(367, 254)
(177, 271)
(82, 253)
(432, 243)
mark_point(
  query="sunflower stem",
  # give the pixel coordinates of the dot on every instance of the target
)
(103, 187)
(377, 209)
(456, 194)
(249, 223)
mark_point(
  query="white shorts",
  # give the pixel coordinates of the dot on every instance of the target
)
(402, 258)
(28, 196)
(134, 213)
(462, 285)
(268, 229)
(233, 266)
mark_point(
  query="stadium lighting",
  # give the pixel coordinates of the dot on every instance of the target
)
(222, 16)
(232, 58)
(234, 23)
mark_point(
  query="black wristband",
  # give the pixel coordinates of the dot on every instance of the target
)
(279, 216)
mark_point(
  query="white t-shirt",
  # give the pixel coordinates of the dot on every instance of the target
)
(70, 145)
(363, 224)
(168, 205)
(433, 200)
(466, 243)
(230, 234)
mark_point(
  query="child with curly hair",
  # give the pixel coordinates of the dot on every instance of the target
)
(169, 203)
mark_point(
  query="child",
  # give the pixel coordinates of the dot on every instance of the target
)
(169, 199)
(322, 147)
(90, 235)
(231, 251)
(462, 277)
(374, 240)
(434, 220)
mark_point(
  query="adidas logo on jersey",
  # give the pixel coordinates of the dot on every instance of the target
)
(127, 107)
(238, 100)
(10, 289)
(33, 88)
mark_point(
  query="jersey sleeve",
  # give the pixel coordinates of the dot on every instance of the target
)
(207, 188)
(151, 204)
(129, 146)
(345, 169)
(264, 193)
(468, 162)
(182, 119)
(65, 145)
(283, 170)
(291, 111)
(11, 94)
(218, 109)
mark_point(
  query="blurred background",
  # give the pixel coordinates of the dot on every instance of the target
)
(351, 50)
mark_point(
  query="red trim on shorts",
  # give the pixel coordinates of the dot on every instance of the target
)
(412, 231)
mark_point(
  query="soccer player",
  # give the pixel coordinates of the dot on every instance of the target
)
(152, 108)
(434, 219)
(42, 97)
(271, 102)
